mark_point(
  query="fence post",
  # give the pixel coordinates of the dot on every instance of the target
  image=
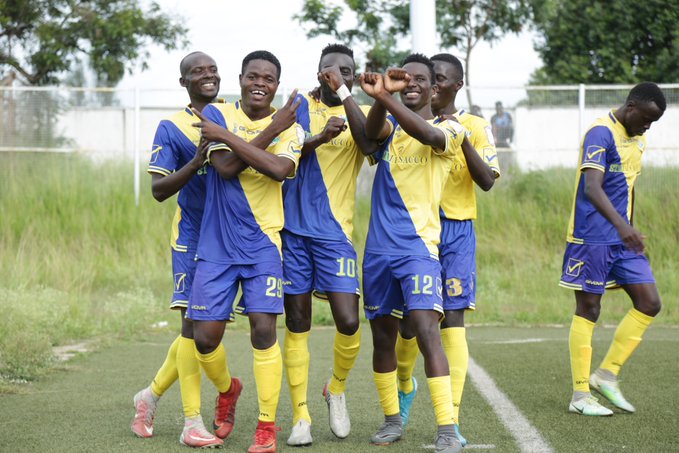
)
(581, 111)
(136, 145)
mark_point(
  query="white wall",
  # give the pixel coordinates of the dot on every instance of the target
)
(543, 137)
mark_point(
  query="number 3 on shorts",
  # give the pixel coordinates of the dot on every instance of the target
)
(274, 287)
(453, 287)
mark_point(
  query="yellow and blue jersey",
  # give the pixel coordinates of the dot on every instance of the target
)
(606, 148)
(459, 194)
(406, 194)
(244, 215)
(320, 201)
(174, 145)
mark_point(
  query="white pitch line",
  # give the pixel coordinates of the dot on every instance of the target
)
(468, 447)
(526, 435)
(519, 341)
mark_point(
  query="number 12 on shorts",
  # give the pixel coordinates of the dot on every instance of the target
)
(424, 284)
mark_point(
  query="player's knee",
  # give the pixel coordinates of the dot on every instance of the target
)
(428, 336)
(588, 309)
(297, 323)
(263, 336)
(650, 307)
(347, 325)
(206, 345)
(453, 318)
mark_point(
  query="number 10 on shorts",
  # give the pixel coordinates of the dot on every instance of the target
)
(347, 267)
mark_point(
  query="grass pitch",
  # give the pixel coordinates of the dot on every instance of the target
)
(86, 404)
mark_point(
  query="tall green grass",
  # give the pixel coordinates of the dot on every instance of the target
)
(79, 260)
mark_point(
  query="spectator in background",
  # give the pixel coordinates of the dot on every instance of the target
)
(476, 111)
(503, 129)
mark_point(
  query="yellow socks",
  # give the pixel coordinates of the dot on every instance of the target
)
(454, 341)
(216, 369)
(627, 338)
(442, 400)
(387, 391)
(296, 358)
(346, 351)
(167, 373)
(580, 345)
(188, 368)
(406, 355)
(268, 369)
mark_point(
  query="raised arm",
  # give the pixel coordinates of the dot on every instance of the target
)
(481, 173)
(229, 164)
(396, 80)
(479, 170)
(332, 129)
(355, 116)
(376, 127)
(164, 186)
(594, 191)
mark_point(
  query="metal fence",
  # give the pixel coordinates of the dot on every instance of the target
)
(113, 124)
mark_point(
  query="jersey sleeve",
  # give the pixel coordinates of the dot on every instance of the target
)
(454, 133)
(164, 156)
(594, 147)
(484, 143)
(213, 114)
(375, 157)
(303, 115)
(290, 145)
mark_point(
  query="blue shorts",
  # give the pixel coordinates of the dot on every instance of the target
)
(457, 252)
(215, 287)
(594, 268)
(394, 285)
(183, 269)
(318, 265)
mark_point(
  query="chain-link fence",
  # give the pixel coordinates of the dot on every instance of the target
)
(536, 127)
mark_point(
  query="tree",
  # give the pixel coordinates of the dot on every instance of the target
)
(43, 39)
(382, 24)
(624, 41)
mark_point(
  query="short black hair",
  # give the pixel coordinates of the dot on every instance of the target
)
(261, 55)
(337, 48)
(421, 58)
(184, 64)
(648, 92)
(452, 59)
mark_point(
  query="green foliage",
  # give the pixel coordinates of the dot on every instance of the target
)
(43, 39)
(624, 41)
(381, 25)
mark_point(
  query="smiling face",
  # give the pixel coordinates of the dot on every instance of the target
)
(449, 82)
(200, 77)
(420, 88)
(638, 116)
(346, 68)
(258, 84)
